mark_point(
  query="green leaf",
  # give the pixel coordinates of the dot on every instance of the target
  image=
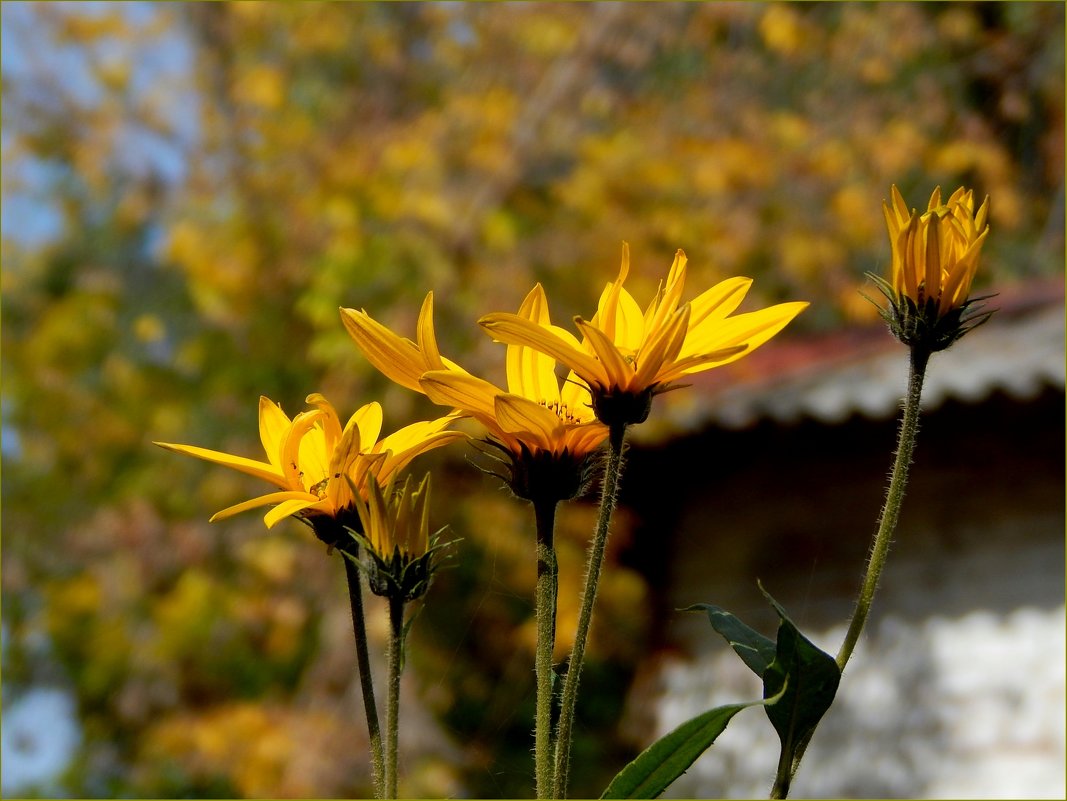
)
(671, 755)
(806, 678)
(793, 670)
(756, 650)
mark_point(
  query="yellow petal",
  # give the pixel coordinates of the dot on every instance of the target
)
(751, 329)
(699, 362)
(662, 349)
(935, 199)
(397, 358)
(618, 316)
(531, 373)
(667, 300)
(396, 461)
(534, 306)
(413, 522)
(892, 224)
(421, 542)
(263, 500)
(368, 419)
(329, 421)
(466, 392)
(719, 301)
(342, 464)
(313, 457)
(377, 528)
(517, 415)
(576, 398)
(273, 424)
(609, 298)
(616, 370)
(983, 212)
(289, 508)
(563, 335)
(408, 442)
(403, 505)
(909, 277)
(426, 337)
(962, 226)
(291, 450)
(267, 472)
(367, 467)
(966, 199)
(409, 434)
(900, 208)
(363, 511)
(629, 323)
(585, 438)
(512, 329)
(958, 284)
(932, 258)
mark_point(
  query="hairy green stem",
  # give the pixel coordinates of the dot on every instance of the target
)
(392, 704)
(608, 496)
(545, 612)
(359, 629)
(909, 430)
(783, 777)
(887, 523)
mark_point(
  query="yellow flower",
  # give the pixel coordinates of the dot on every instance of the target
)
(626, 355)
(312, 460)
(534, 414)
(935, 254)
(934, 260)
(396, 533)
(396, 521)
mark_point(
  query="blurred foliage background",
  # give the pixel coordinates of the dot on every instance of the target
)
(192, 190)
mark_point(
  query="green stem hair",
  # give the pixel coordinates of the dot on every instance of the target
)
(608, 497)
(545, 612)
(392, 708)
(909, 430)
(887, 523)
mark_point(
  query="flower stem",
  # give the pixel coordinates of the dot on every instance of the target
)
(907, 436)
(545, 611)
(909, 430)
(784, 775)
(392, 704)
(608, 497)
(359, 629)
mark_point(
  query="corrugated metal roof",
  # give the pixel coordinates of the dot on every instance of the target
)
(830, 378)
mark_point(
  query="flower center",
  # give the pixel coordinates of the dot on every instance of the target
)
(562, 411)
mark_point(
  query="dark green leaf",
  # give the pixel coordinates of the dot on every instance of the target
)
(756, 650)
(670, 756)
(809, 677)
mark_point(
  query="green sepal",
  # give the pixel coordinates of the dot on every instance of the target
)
(669, 757)
(921, 324)
(400, 575)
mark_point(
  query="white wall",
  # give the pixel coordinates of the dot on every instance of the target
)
(966, 707)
